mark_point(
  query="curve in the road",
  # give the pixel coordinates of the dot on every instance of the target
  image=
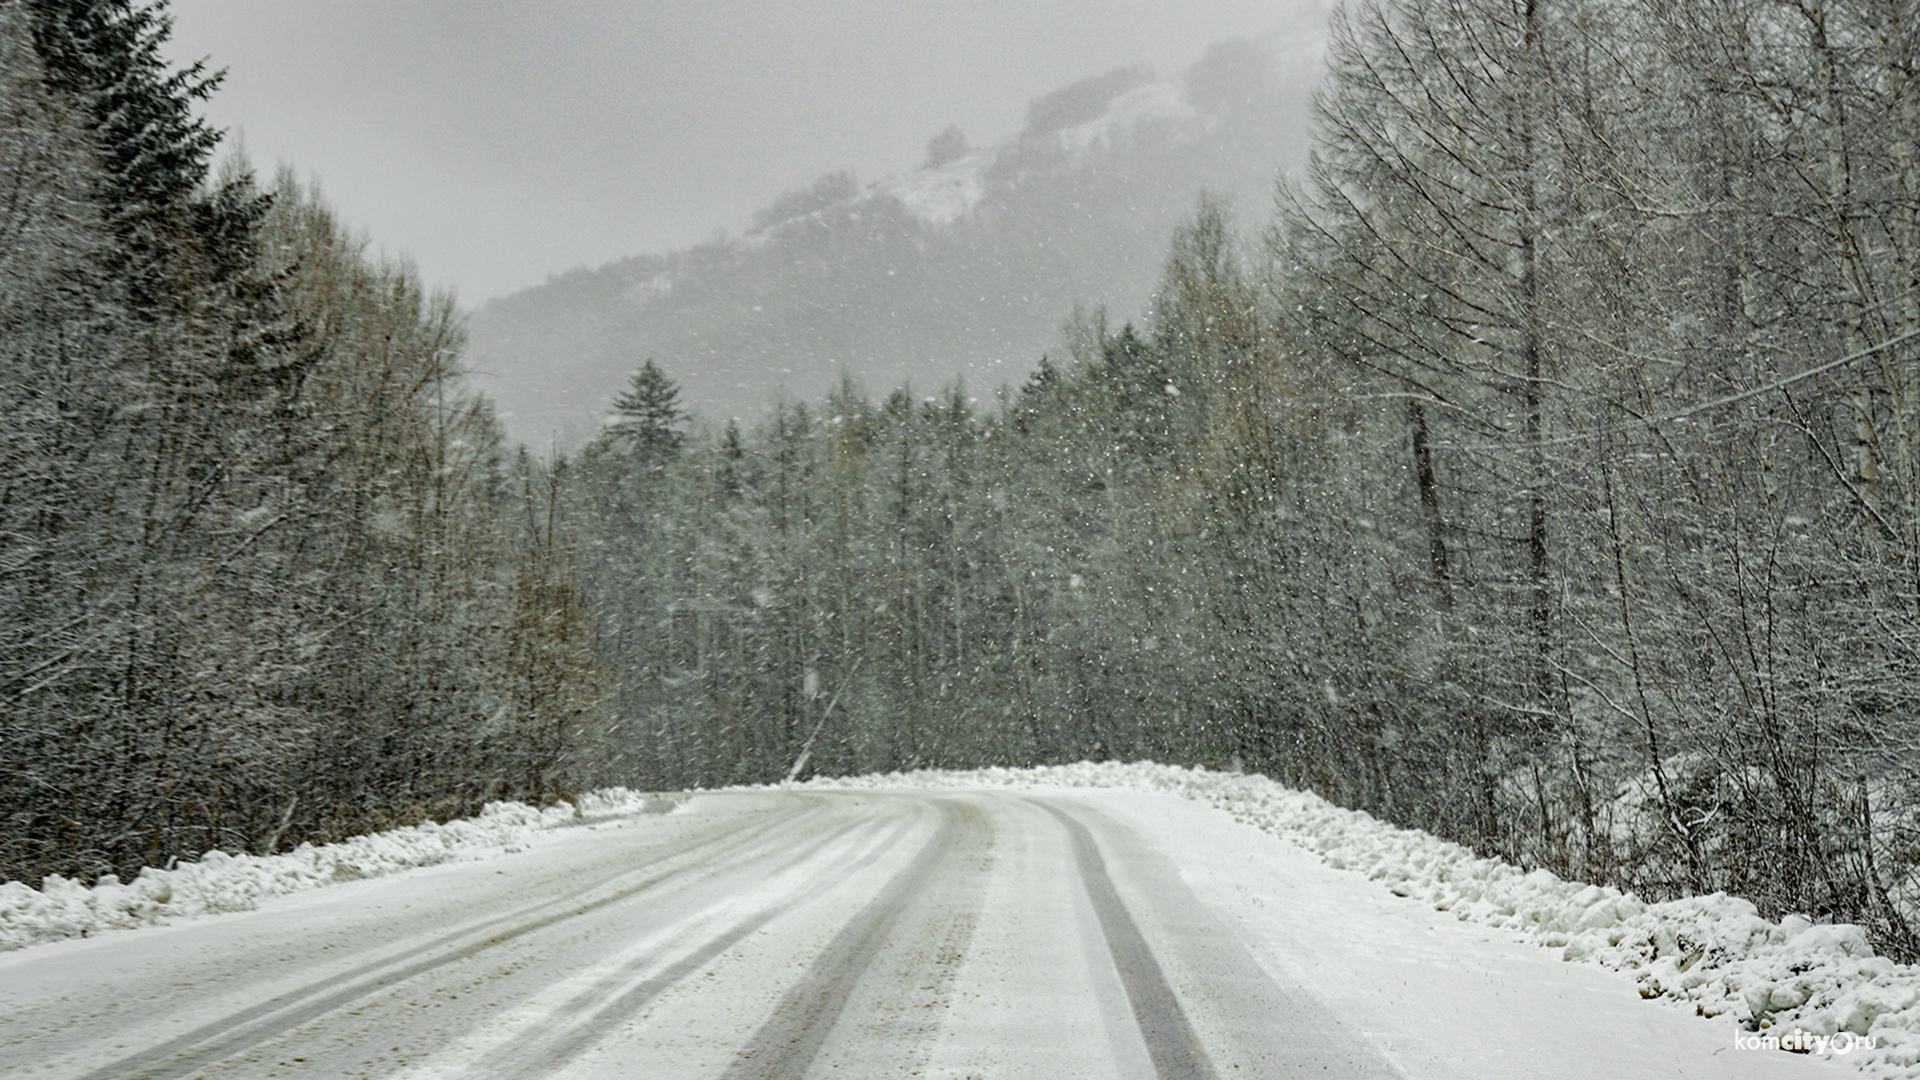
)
(853, 934)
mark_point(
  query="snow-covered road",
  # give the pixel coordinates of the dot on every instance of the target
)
(869, 933)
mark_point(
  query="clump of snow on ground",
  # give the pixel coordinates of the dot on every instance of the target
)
(222, 882)
(943, 194)
(1794, 984)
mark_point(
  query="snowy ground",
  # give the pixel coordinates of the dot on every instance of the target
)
(1793, 986)
(1380, 944)
(220, 882)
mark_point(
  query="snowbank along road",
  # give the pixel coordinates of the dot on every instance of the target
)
(849, 934)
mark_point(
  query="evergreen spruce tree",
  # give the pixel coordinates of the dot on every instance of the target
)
(152, 147)
(649, 413)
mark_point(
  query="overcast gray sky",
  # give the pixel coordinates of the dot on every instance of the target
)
(496, 142)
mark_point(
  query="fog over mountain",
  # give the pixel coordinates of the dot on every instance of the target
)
(965, 268)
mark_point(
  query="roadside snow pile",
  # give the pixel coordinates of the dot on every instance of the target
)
(1794, 985)
(221, 882)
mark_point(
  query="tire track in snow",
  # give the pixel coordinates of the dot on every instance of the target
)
(897, 1011)
(251, 1027)
(1171, 1041)
(1239, 1018)
(540, 1056)
(786, 1044)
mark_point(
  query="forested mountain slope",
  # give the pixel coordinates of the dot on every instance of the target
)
(964, 268)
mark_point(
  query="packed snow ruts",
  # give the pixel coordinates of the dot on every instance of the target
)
(1790, 979)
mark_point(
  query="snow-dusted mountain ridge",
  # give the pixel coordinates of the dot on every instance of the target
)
(964, 268)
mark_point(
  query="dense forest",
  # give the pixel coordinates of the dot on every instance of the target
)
(1545, 473)
(265, 575)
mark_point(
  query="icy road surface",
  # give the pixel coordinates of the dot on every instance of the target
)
(823, 933)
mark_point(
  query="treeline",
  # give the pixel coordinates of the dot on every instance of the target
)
(266, 573)
(1548, 477)
(1631, 286)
